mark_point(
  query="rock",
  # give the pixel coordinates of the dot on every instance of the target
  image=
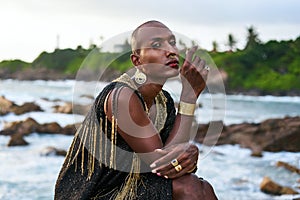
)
(26, 107)
(66, 108)
(17, 140)
(271, 135)
(288, 167)
(5, 105)
(69, 129)
(48, 151)
(52, 127)
(69, 108)
(257, 153)
(270, 187)
(20, 127)
(30, 125)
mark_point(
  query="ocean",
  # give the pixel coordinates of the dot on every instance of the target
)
(26, 173)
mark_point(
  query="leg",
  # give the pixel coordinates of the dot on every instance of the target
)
(190, 187)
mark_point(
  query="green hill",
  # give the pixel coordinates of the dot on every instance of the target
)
(268, 68)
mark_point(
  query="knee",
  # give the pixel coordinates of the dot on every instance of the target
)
(191, 187)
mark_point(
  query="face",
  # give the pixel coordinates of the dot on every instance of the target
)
(158, 57)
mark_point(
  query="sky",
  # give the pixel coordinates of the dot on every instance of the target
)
(29, 27)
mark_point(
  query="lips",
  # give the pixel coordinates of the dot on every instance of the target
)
(174, 63)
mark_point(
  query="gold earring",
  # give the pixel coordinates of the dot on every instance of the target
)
(140, 77)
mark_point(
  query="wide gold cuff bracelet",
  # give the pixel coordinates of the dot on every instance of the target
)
(186, 108)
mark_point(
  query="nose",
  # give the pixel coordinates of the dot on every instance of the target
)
(171, 50)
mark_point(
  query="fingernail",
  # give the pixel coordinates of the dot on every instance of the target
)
(153, 171)
(158, 174)
(166, 177)
(153, 165)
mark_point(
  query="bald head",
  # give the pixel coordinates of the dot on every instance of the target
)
(136, 38)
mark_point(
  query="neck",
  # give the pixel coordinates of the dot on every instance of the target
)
(149, 92)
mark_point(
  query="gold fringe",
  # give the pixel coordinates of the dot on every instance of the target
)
(100, 142)
(112, 142)
(82, 150)
(129, 189)
(105, 142)
(87, 134)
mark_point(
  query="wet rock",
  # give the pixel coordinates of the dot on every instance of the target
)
(52, 127)
(69, 108)
(66, 108)
(26, 107)
(69, 129)
(288, 167)
(270, 135)
(5, 105)
(49, 151)
(20, 127)
(17, 140)
(270, 187)
(30, 125)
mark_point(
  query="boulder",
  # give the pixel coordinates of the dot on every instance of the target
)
(26, 107)
(48, 151)
(66, 108)
(52, 127)
(5, 105)
(288, 167)
(17, 140)
(69, 129)
(270, 187)
(20, 127)
(69, 108)
(270, 135)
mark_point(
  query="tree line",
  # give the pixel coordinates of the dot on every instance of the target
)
(272, 67)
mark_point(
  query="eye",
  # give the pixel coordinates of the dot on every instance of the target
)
(155, 45)
(172, 42)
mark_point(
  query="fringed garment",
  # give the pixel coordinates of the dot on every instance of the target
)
(101, 165)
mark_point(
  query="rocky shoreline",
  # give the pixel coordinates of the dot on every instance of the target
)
(108, 75)
(270, 135)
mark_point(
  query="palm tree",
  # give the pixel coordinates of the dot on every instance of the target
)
(231, 42)
(215, 46)
(252, 38)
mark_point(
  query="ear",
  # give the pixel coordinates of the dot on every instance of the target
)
(135, 59)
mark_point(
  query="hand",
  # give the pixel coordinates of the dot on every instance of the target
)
(186, 155)
(193, 76)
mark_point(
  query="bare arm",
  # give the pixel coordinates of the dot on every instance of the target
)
(137, 129)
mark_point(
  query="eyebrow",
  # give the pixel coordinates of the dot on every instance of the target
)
(160, 39)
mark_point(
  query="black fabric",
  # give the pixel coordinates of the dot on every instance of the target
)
(104, 182)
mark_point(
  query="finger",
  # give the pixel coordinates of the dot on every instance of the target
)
(190, 53)
(202, 64)
(196, 61)
(161, 151)
(164, 160)
(186, 159)
(204, 72)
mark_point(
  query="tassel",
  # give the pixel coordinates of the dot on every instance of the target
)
(129, 189)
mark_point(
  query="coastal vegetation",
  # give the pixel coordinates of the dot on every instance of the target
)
(272, 67)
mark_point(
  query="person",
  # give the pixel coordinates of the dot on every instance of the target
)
(132, 144)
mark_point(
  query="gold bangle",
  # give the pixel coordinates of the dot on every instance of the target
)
(186, 108)
(192, 170)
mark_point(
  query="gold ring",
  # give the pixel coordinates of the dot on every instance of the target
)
(178, 168)
(191, 170)
(174, 162)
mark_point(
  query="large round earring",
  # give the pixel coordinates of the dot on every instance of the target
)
(140, 77)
